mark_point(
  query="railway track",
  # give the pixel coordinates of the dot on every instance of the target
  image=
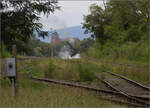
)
(130, 81)
(126, 87)
(120, 89)
(30, 58)
(115, 95)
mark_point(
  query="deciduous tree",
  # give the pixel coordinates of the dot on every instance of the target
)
(20, 18)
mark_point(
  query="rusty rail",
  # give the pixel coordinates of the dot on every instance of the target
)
(130, 81)
(142, 100)
(75, 85)
(139, 100)
(92, 89)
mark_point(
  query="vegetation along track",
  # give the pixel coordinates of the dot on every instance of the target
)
(126, 87)
(109, 94)
(119, 95)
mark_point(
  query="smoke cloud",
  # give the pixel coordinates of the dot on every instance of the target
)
(58, 23)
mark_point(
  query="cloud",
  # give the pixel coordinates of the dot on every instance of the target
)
(71, 14)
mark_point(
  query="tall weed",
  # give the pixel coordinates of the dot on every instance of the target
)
(132, 51)
(85, 73)
(50, 68)
(4, 52)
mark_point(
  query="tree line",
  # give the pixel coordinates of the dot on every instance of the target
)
(119, 21)
(120, 30)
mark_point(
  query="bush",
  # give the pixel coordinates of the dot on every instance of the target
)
(94, 51)
(133, 51)
(4, 53)
(104, 68)
(51, 68)
(41, 68)
(85, 73)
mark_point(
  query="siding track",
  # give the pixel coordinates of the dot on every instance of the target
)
(125, 86)
(114, 96)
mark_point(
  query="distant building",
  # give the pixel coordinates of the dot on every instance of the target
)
(55, 39)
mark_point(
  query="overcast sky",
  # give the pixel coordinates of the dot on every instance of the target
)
(71, 14)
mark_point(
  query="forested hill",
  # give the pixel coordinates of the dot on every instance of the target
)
(75, 31)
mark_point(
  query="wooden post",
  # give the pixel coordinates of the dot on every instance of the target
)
(13, 87)
(15, 79)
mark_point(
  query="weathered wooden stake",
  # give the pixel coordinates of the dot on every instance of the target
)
(13, 87)
(15, 79)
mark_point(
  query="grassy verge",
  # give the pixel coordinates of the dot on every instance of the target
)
(83, 69)
(136, 71)
(140, 75)
(35, 94)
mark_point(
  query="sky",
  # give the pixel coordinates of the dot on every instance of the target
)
(70, 14)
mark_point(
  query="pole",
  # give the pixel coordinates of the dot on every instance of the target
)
(13, 87)
(15, 79)
(52, 51)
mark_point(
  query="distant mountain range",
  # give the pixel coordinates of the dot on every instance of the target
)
(75, 31)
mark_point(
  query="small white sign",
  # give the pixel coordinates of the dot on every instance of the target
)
(9, 66)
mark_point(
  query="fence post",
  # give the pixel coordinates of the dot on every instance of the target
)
(15, 79)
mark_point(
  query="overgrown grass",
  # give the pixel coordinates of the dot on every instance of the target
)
(36, 94)
(33, 94)
(84, 69)
(135, 54)
(140, 75)
(75, 70)
(85, 72)
(4, 53)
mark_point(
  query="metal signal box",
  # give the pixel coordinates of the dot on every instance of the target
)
(9, 67)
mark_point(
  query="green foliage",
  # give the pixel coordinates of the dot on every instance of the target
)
(39, 68)
(121, 30)
(85, 44)
(94, 23)
(4, 52)
(51, 68)
(35, 47)
(85, 73)
(133, 51)
(121, 21)
(104, 68)
(37, 51)
(20, 22)
(33, 94)
(94, 51)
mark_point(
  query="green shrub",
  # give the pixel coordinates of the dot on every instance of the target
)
(104, 68)
(132, 51)
(94, 51)
(85, 73)
(51, 68)
(4, 53)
